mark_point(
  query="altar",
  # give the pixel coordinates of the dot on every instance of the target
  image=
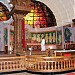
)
(35, 46)
(64, 52)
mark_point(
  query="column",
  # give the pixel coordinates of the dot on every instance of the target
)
(1, 37)
(18, 33)
(74, 9)
(8, 27)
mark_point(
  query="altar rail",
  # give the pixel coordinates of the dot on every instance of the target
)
(8, 64)
(37, 63)
(50, 64)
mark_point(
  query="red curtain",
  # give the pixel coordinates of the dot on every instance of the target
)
(23, 34)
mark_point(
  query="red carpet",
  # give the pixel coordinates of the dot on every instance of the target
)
(70, 74)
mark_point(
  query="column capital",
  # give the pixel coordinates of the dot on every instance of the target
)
(18, 16)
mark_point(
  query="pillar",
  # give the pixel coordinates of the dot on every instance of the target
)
(1, 36)
(18, 33)
(8, 27)
(74, 9)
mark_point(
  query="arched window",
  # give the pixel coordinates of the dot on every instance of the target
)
(40, 16)
(3, 12)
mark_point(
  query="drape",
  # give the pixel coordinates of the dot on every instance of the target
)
(23, 34)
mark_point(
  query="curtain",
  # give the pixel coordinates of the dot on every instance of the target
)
(23, 34)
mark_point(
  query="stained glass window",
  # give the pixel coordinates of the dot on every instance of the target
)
(40, 16)
(3, 12)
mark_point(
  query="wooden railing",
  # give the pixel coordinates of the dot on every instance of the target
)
(12, 63)
(37, 63)
(50, 64)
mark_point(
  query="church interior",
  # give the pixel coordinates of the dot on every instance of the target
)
(23, 24)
